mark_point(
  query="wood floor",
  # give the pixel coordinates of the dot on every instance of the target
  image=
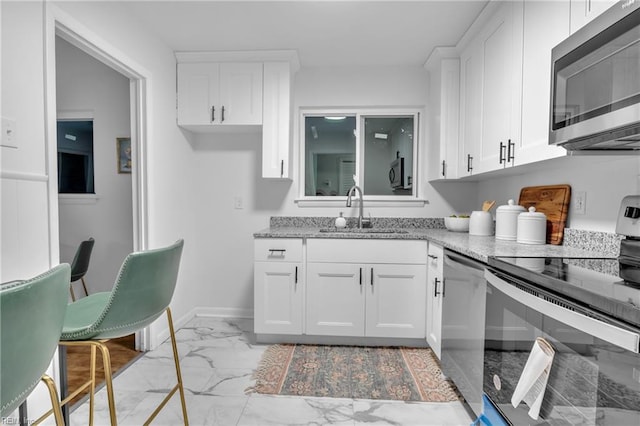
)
(122, 352)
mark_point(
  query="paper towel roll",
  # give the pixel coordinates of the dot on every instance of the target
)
(534, 377)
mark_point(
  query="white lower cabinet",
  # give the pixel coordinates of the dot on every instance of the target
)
(371, 288)
(278, 286)
(335, 299)
(435, 278)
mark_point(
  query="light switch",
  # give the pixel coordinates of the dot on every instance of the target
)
(9, 138)
(238, 203)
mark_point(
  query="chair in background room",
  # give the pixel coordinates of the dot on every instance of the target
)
(31, 317)
(142, 292)
(80, 265)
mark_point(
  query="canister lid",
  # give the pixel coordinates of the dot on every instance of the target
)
(511, 206)
(532, 214)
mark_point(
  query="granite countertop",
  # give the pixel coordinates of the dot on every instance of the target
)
(476, 247)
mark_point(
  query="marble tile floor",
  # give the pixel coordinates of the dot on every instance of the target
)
(218, 357)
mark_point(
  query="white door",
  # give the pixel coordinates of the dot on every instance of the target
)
(501, 77)
(335, 299)
(396, 300)
(470, 104)
(546, 24)
(435, 274)
(197, 92)
(240, 93)
(278, 298)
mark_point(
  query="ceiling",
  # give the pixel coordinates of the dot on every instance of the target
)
(324, 33)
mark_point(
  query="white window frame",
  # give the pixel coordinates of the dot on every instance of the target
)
(412, 200)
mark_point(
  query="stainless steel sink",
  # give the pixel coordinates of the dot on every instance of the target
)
(363, 231)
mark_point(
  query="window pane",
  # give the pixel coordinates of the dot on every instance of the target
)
(330, 155)
(75, 157)
(388, 155)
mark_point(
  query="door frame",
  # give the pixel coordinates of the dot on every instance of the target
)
(61, 24)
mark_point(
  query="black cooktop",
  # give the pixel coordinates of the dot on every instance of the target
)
(593, 283)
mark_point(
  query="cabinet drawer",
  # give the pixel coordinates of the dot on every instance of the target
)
(367, 251)
(278, 249)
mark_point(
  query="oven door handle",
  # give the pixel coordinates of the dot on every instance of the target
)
(610, 333)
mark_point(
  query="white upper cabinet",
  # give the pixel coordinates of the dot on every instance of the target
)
(240, 92)
(505, 75)
(219, 94)
(583, 11)
(500, 44)
(545, 25)
(444, 111)
(276, 128)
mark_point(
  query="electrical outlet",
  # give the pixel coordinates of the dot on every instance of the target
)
(238, 203)
(579, 202)
(9, 133)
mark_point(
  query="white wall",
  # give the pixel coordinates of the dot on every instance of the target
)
(170, 189)
(86, 84)
(605, 179)
(228, 166)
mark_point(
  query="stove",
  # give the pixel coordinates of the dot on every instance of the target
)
(593, 283)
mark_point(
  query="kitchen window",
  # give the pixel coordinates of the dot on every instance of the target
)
(376, 150)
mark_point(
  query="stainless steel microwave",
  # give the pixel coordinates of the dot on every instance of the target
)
(595, 84)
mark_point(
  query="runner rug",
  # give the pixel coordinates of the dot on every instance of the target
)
(392, 373)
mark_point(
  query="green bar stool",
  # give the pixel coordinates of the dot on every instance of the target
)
(142, 292)
(31, 316)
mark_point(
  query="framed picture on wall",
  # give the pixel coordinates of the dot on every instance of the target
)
(124, 154)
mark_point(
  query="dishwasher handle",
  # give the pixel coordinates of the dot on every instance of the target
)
(620, 337)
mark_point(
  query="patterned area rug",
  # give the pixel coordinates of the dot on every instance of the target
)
(392, 373)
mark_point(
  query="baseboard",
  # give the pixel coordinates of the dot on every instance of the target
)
(202, 312)
(223, 312)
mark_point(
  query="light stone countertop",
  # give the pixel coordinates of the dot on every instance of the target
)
(476, 247)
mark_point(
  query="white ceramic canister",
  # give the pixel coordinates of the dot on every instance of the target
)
(507, 221)
(532, 227)
(481, 223)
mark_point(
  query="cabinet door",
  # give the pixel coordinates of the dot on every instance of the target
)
(545, 25)
(335, 299)
(395, 301)
(470, 104)
(197, 89)
(276, 120)
(583, 11)
(240, 93)
(278, 298)
(501, 47)
(435, 274)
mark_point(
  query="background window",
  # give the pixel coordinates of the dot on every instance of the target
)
(378, 149)
(75, 157)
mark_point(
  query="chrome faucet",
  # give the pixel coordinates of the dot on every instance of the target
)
(362, 223)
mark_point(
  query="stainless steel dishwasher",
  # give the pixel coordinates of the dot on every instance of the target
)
(463, 320)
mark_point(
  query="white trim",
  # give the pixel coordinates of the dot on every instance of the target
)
(78, 198)
(59, 23)
(360, 114)
(340, 202)
(79, 115)
(33, 177)
(290, 56)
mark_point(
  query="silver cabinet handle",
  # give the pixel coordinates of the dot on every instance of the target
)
(502, 149)
(281, 168)
(444, 168)
(511, 155)
(436, 292)
(281, 252)
(360, 277)
(469, 163)
(213, 113)
(371, 277)
(222, 119)
(296, 276)
(432, 256)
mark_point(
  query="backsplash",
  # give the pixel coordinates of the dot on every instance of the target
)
(352, 222)
(605, 242)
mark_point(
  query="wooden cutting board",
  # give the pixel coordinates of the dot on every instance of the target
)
(553, 201)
